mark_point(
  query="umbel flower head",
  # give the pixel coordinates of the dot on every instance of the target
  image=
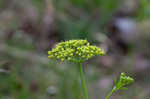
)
(74, 51)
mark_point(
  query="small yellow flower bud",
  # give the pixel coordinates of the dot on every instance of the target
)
(78, 48)
(58, 57)
(88, 56)
(62, 59)
(50, 56)
(71, 54)
(69, 58)
(62, 49)
(88, 44)
(55, 54)
(49, 52)
(79, 54)
(91, 55)
(83, 56)
(102, 52)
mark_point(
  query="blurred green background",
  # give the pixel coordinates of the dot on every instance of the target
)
(29, 28)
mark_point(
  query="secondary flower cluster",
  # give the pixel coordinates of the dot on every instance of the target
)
(74, 51)
(123, 82)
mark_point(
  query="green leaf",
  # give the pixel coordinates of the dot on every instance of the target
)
(123, 88)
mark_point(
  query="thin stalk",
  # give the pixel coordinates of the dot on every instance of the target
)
(110, 94)
(83, 83)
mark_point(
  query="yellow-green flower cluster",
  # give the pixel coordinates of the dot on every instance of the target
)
(121, 84)
(74, 51)
(125, 80)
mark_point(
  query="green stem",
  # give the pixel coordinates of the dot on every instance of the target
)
(83, 83)
(110, 94)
